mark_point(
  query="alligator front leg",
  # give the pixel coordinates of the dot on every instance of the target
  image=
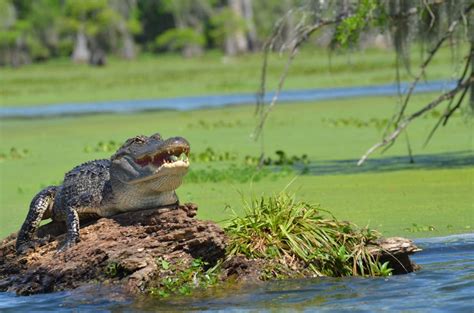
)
(40, 203)
(72, 224)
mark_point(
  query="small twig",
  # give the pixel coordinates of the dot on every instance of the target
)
(393, 136)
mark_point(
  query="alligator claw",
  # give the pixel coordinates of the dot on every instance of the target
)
(66, 245)
(25, 247)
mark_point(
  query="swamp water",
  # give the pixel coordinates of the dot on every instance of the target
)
(445, 284)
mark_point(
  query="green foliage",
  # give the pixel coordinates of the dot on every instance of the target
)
(369, 13)
(114, 270)
(37, 49)
(91, 16)
(225, 23)
(177, 38)
(175, 280)
(291, 231)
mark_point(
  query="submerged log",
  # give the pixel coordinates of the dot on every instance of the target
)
(396, 251)
(125, 250)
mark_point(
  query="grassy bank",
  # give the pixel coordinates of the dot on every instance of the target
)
(429, 198)
(61, 81)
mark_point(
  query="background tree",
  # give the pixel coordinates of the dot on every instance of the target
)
(100, 26)
(189, 18)
(28, 31)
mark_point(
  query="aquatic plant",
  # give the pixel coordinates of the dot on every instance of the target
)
(14, 154)
(208, 125)
(283, 165)
(210, 155)
(281, 159)
(176, 280)
(103, 146)
(236, 174)
(301, 235)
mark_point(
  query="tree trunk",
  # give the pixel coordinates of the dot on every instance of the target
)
(252, 38)
(236, 41)
(81, 53)
(128, 47)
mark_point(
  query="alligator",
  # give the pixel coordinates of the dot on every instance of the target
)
(142, 174)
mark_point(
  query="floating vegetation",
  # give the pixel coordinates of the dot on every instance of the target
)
(415, 228)
(202, 124)
(282, 165)
(209, 155)
(282, 159)
(378, 123)
(175, 280)
(14, 154)
(299, 235)
(236, 174)
(103, 146)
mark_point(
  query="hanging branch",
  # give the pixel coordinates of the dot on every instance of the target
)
(267, 48)
(300, 38)
(449, 111)
(390, 138)
(427, 61)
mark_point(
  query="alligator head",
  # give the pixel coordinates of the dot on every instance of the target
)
(150, 164)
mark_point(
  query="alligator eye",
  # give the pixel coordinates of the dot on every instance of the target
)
(143, 161)
(156, 136)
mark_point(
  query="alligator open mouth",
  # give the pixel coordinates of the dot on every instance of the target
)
(171, 157)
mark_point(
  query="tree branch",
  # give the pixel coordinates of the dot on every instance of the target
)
(393, 136)
(423, 66)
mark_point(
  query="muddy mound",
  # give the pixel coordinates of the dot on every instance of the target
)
(126, 246)
(131, 249)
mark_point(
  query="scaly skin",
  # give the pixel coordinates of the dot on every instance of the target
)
(143, 173)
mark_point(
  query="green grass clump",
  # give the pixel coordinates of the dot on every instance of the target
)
(299, 234)
(178, 281)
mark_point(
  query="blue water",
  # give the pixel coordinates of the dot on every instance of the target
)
(199, 102)
(445, 284)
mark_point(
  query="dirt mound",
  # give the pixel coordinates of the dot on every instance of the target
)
(127, 249)
(127, 244)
